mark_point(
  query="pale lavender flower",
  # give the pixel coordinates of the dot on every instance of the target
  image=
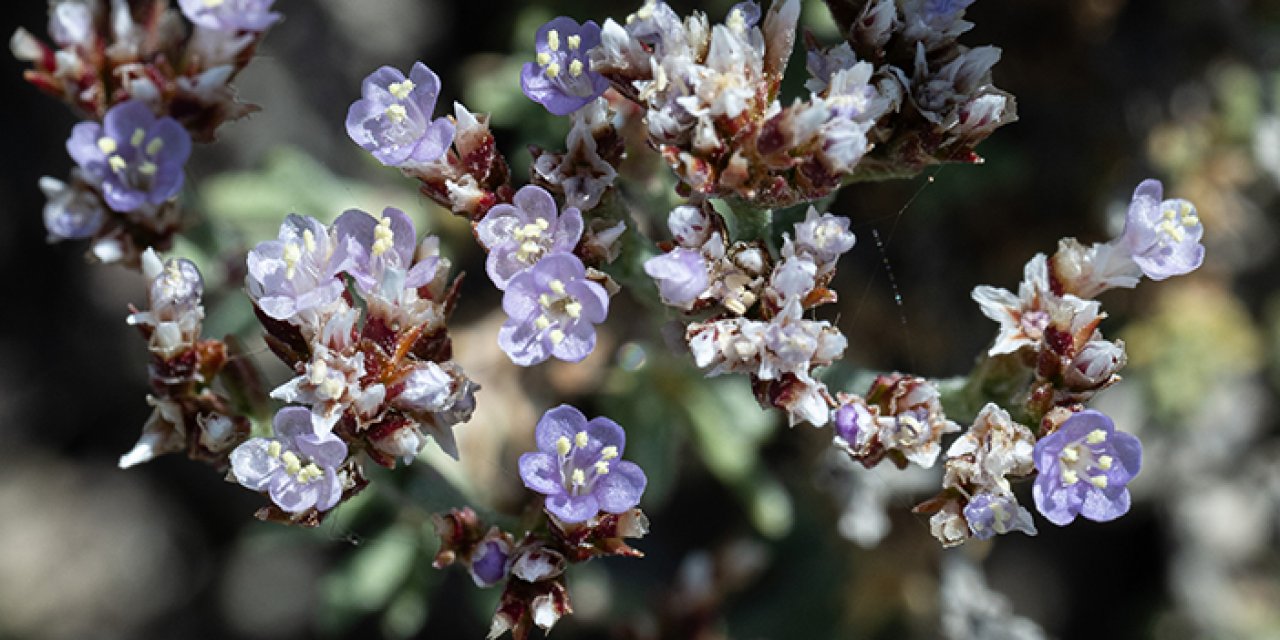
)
(853, 423)
(681, 276)
(1163, 236)
(297, 468)
(561, 79)
(133, 156)
(578, 466)
(175, 291)
(518, 235)
(292, 277)
(553, 310)
(392, 119)
(1085, 467)
(795, 345)
(989, 514)
(824, 237)
(230, 15)
(72, 210)
(377, 252)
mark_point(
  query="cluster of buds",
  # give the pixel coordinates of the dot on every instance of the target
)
(455, 159)
(590, 508)
(148, 85)
(757, 305)
(711, 96)
(1051, 349)
(358, 310)
(188, 414)
(901, 418)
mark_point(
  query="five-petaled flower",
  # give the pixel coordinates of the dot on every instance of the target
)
(297, 468)
(1085, 467)
(392, 118)
(133, 156)
(1163, 236)
(578, 466)
(552, 310)
(519, 234)
(561, 78)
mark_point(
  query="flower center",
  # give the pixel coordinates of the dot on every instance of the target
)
(531, 238)
(559, 309)
(578, 472)
(1084, 460)
(293, 464)
(1176, 218)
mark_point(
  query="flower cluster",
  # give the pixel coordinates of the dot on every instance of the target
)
(188, 413)
(359, 311)
(900, 418)
(148, 87)
(1050, 351)
(591, 497)
(711, 95)
(552, 302)
(757, 326)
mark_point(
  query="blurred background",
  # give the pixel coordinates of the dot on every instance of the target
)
(757, 531)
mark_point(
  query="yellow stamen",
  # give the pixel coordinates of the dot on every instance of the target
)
(1070, 454)
(1069, 477)
(292, 254)
(292, 465)
(397, 113)
(575, 68)
(602, 468)
(117, 163)
(273, 449)
(581, 439)
(401, 90)
(107, 146)
(573, 309)
(553, 69)
(542, 322)
(138, 136)
(578, 478)
(309, 240)
(543, 59)
(575, 42)
(147, 168)
(563, 446)
(557, 336)
(544, 300)
(1098, 481)
(309, 473)
(1191, 220)
(608, 453)
(154, 146)
(556, 286)
(383, 237)
(1096, 436)
(1104, 463)
(553, 40)
(213, 3)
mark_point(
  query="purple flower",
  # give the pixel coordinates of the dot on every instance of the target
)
(292, 274)
(517, 235)
(392, 120)
(681, 275)
(553, 310)
(578, 466)
(377, 251)
(297, 468)
(230, 15)
(1084, 468)
(989, 514)
(1163, 236)
(72, 212)
(135, 157)
(561, 79)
